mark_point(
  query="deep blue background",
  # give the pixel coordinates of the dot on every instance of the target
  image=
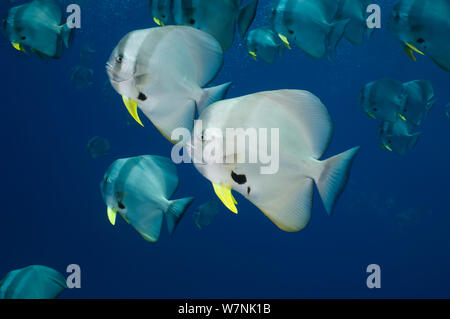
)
(52, 212)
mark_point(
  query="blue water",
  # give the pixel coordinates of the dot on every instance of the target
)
(53, 214)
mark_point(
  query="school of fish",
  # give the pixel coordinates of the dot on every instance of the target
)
(164, 73)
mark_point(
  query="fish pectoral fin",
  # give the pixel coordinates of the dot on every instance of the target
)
(253, 55)
(18, 47)
(223, 191)
(409, 53)
(132, 106)
(402, 117)
(412, 47)
(111, 215)
(388, 147)
(158, 22)
(371, 115)
(285, 40)
(126, 219)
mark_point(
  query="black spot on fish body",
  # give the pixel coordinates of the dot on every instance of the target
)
(248, 190)
(142, 96)
(240, 179)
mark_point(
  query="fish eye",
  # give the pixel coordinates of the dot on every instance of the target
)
(192, 21)
(163, 16)
(375, 109)
(119, 59)
(121, 206)
(23, 38)
(420, 40)
(291, 32)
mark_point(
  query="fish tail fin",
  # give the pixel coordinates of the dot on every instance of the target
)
(66, 35)
(333, 176)
(413, 139)
(175, 212)
(246, 17)
(211, 95)
(336, 33)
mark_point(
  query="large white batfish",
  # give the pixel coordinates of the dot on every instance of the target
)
(305, 130)
(162, 71)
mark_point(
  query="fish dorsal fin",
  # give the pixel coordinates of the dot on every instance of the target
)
(312, 117)
(329, 8)
(164, 172)
(210, 60)
(51, 9)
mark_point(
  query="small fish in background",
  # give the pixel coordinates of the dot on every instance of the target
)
(309, 24)
(383, 99)
(390, 203)
(390, 99)
(163, 70)
(205, 214)
(139, 190)
(396, 137)
(39, 26)
(420, 100)
(265, 44)
(305, 130)
(400, 107)
(412, 216)
(87, 54)
(161, 10)
(98, 147)
(356, 12)
(81, 77)
(423, 27)
(202, 14)
(32, 282)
